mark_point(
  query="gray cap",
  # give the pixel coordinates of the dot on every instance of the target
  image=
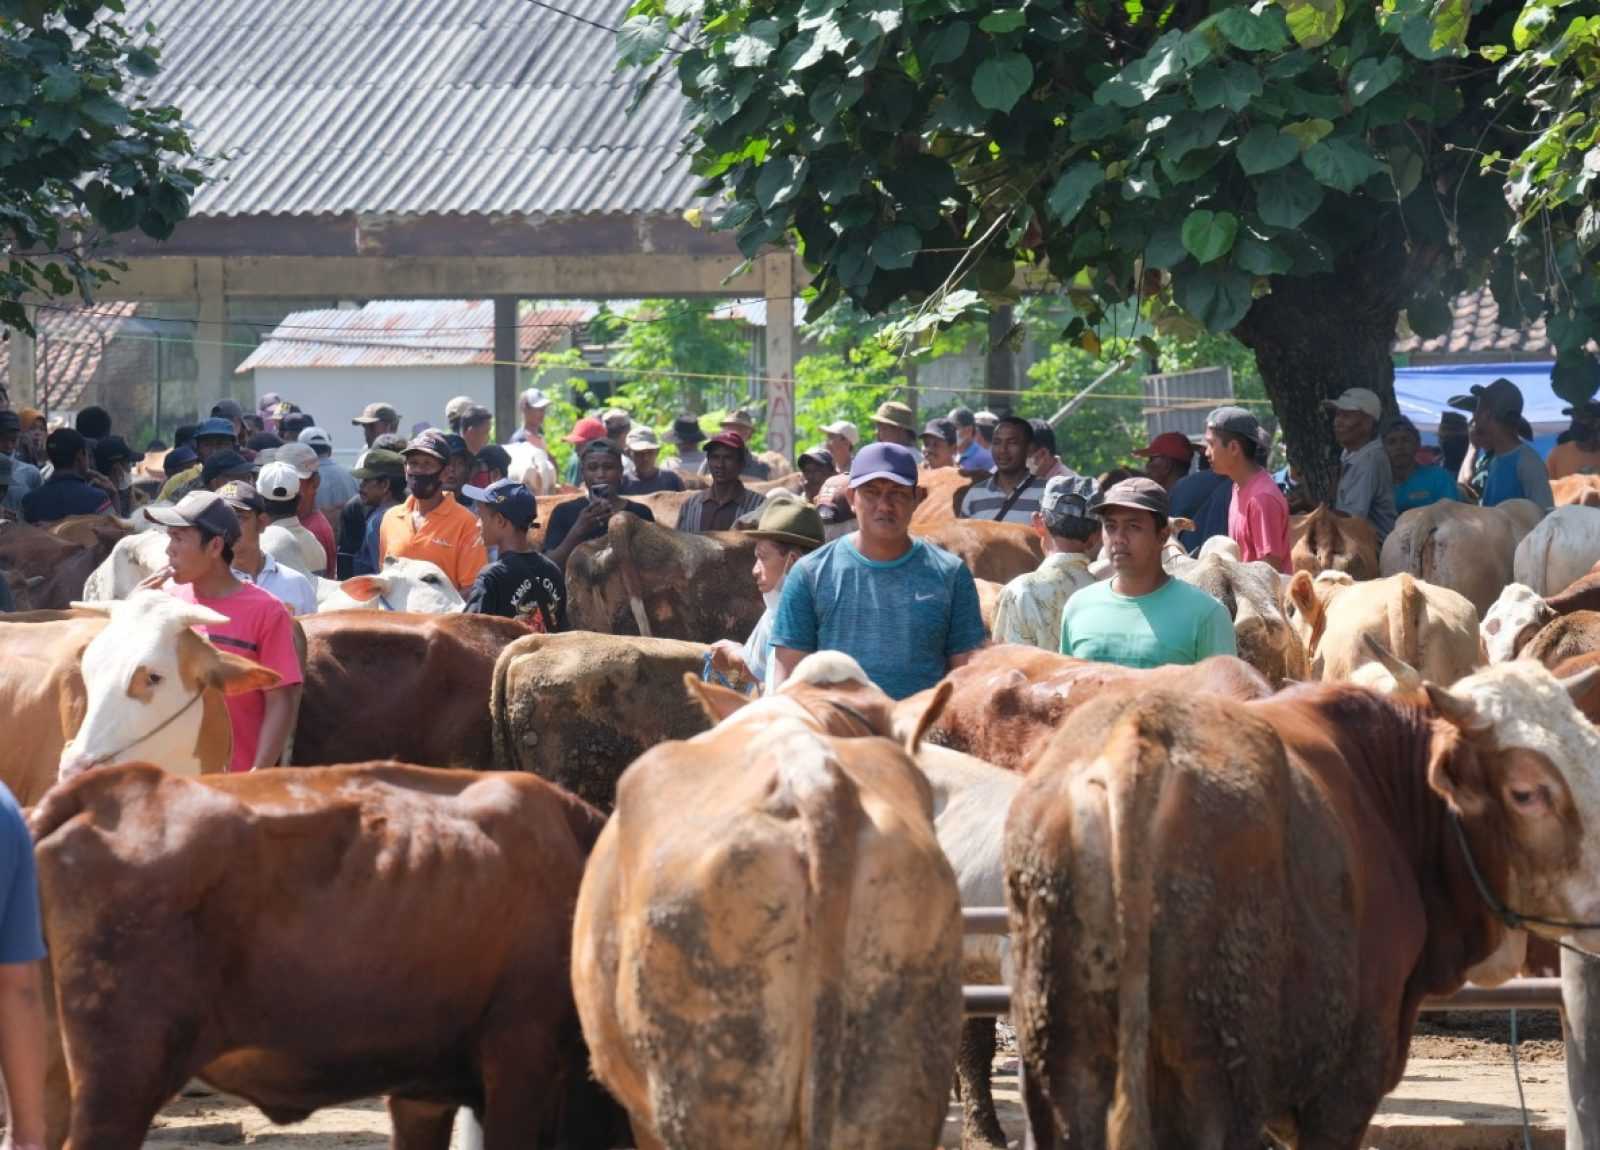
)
(1067, 497)
(1138, 493)
(204, 509)
(1236, 420)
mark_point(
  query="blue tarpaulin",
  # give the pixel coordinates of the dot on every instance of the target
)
(1423, 393)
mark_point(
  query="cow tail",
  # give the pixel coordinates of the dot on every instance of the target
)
(501, 728)
(621, 543)
(1428, 553)
(1137, 765)
(1405, 622)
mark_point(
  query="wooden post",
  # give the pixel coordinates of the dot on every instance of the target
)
(999, 368)
(507, 367)
(1580, 1022)
(778, 269)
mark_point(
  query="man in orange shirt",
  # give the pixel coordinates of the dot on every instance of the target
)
(430, 524)
(1580, 454)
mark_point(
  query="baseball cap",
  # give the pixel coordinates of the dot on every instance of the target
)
(509, 498)
(985, 418)
(378, 413)
(1500, 398)
(962, 416)
(376, 463)
(458, 446)
(601, 446)
(1359, 399)
(430, 442)
(227, 409)
(178, 459)
(240, 496)
(895, 414)
(586, 430)
(1172, 445)
(944, 429)
(1067, 497)
(790, 521)
(614, 415)
(453, 409)
(852, 434)
(223, 464)
(111, 450)
(818, 455)
(533, 399)
(475, 413)
(642, 439)
(883, 461)
(1236, 421)
(278, 481)
(739, 417)
(300, 456)
(267, 402)
(1138, 493)
(1588, 409)
(727, 439)
(315, 437)
(214, 428)
(686, 431)
(1452, 419)
(10, 421)
(203, 509)
(263, 441)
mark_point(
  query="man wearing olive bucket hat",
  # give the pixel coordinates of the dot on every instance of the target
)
(786, 531)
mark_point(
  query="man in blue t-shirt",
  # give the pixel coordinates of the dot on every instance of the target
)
(1516, 471)
(1415, 484)
(22, 1017)
(902, 608)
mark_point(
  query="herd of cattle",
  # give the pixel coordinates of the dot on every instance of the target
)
(741, 920)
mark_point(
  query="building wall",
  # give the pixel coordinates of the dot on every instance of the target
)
(335, 396)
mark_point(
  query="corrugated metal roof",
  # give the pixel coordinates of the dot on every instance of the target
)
(407, 333)
(416, 107)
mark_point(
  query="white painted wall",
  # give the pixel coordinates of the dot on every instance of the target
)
(336, 395)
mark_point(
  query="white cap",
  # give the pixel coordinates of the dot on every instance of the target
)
(316, 437)
(1357, 399)
(845, 428)
(278, 481)
(986, 418)
(300, 456)
(534, 399)
(642, 439)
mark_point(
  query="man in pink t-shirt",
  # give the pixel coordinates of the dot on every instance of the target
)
(1258, 515)
(201, 532)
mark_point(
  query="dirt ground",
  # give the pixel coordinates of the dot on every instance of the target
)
(1459, 1078)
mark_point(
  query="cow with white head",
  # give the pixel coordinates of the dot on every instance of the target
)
(154, 688)
(403, 585)
(1514, 618)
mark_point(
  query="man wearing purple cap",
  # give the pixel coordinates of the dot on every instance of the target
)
(902, 608)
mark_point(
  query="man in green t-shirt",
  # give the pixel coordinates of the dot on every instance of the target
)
(1142, 617)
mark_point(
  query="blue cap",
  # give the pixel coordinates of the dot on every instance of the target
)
(214, 428)
(884, 461)
(507, 496)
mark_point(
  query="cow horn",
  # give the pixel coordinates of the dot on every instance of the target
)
(1577, 685)
(1406, 678)
(930, 715)
(1459, 710)
(99, 607)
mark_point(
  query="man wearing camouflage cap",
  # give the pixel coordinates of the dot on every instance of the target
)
(1029, 609)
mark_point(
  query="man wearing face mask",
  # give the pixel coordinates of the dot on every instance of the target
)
(1043, 462)
(430, 524)
(114, 459)
(788, 531)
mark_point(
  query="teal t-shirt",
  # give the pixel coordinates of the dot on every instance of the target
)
(1424, 486)
(901, 620)
(1177, 623)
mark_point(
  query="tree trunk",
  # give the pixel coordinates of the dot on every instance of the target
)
(1315, 336)
(999, 378)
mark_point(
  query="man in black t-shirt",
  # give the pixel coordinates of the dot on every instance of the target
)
(580, 520)
(520, 583)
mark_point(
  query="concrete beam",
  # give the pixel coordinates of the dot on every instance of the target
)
(506, 359)
(211, 374)
(449, 277)
(778, 280)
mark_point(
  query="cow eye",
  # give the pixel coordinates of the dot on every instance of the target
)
(433, 579)
(155, 679)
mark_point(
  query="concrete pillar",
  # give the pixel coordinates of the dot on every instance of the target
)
(24, 386)
(507, 360)
(778, 273)
(1580, 996)
(211, 332)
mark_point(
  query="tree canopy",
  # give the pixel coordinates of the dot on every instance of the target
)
(1300, 172)
(82, 153)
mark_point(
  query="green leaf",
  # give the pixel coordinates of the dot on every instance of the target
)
(142, 63)
(1313, 23)
(1307, 132)
(1405, 170)
(1429, 315)
(1073, 190)
(826, 39)
(1165, 249)
(1003, 80)
(1190, 131)
(1208, 236)
(780, 180)
(1253, 31)
(1369, 77)
(1003, 20)
(1287, 198)
(1493, 53)
(1341, 162)
(1264, 149)
(640, 40)
(1218, 297)
(945, 44)
(1437, 31)
(833, 94)
(897, 248)
(102, 109)
(61, 84)
(1233, 86)
(1259, 257)
(1530, 25)
(755, 46)
(853, 261)
(1095, 122)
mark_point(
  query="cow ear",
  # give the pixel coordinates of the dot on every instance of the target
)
(717, 702)
(1453, 771)
(364, 588)
(1302, 593)
(930, 715)
(233, 675)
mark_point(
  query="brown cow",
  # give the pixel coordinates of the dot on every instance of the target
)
(1253, 595)
(1564, 637)
(1225, 917)
(1467, 548)
(998, 552)
(578, 708)
(303, 938)
(1007, 702)
(1581, 490)
(400, 686)
(644, 579)
(766, 952)
(945, 488)
(46, 571)
(1325, 540)
(1432, 628)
